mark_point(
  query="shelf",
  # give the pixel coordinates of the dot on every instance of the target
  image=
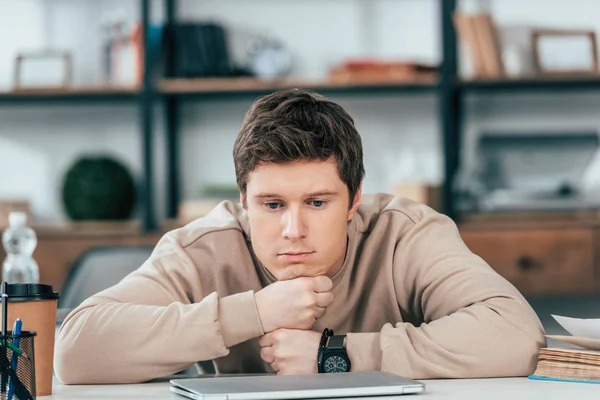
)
(100, 229)
(253, 86)
(212, 87)
(86, 229)
(74, 93)
(535, 83)
(579, 218)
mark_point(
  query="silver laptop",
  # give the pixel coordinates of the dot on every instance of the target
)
(283, 387)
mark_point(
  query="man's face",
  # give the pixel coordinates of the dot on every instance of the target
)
(298, 215)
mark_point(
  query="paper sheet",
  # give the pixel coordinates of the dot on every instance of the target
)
(586, 343)
(581, 327)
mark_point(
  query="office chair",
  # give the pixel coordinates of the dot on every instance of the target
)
(102, 267)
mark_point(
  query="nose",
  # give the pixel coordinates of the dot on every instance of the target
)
(293, 225)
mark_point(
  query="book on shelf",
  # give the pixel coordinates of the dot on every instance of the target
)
(478, 34)
(577, 364)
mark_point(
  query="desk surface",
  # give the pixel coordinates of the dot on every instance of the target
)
(464, 389)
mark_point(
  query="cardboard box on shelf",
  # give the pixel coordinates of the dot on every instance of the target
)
(190, 210)
(430, 195)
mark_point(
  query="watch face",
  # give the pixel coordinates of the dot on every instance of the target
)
(335, 363)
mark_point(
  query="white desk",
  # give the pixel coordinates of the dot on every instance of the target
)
(464, 389)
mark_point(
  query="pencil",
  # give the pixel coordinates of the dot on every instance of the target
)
(17, 350)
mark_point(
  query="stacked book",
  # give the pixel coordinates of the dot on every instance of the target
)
(478, 34)
(581, 364)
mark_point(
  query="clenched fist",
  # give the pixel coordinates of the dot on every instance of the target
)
(294, 304)
(291, 351)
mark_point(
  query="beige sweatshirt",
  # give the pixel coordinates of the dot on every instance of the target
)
(411, 297)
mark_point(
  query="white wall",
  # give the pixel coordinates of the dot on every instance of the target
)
(38, 143)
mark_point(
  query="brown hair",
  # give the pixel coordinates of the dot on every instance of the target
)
(297, 125)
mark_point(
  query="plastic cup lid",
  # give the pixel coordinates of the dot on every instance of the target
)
(30, 291)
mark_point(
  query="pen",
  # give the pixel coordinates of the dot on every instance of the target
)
(20, 390)
(16, 340)
(3, 380)
(15, 358)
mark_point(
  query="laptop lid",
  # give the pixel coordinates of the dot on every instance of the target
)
(283, 387)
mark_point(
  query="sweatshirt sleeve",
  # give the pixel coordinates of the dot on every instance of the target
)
(469, 322)
(148, 326)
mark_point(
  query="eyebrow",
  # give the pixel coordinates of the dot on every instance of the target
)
(313, 194)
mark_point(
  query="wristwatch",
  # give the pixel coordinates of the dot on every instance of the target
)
(332, 356)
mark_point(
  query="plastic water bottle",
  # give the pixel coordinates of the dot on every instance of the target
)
(19, 241)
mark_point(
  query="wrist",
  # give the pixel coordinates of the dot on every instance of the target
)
(261, 313)
(332, 356)
(239, 319)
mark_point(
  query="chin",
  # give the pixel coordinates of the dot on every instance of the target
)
(297, 271)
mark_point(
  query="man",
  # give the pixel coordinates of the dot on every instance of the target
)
(253, 286)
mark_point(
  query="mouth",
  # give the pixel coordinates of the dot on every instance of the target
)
(296, 255)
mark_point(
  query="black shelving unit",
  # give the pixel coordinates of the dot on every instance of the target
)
(173, 99)
(449, 89)
(78, 96)
(532, 84)
(450, 103)
(146, 99)
(172, 116)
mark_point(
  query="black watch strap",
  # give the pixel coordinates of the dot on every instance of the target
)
(336, 342)
(327, 333)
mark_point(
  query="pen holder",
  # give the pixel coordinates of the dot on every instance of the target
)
(19, 382)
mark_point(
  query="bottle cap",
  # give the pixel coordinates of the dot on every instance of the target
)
(17, 219)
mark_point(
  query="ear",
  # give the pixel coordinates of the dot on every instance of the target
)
(355, 202)
(243, 201)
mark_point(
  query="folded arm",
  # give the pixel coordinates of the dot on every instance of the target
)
(474, 322)
(147, 326)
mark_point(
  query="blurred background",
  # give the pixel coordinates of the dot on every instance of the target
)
(117, 120)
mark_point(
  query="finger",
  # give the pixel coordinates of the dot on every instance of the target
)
(319, 312)
(324, 299)
(275, 366)
(322, 284)
(267, 354)
(266, 340)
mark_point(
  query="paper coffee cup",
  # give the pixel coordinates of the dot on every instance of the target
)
(35, 305)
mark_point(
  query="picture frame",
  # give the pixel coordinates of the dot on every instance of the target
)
(43, 70)
(565, 52)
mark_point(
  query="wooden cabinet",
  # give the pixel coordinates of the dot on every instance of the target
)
(60, 246)
(539, 260)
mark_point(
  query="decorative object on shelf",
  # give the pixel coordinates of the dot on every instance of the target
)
(513, 59)
(44, 69)
(98, 188)
(477, 32)
(269, 59)
(122, 49)
(367, 70)
(198, 50)
(565, 52)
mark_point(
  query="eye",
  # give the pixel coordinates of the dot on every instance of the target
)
(273, 205)
(318, 203)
